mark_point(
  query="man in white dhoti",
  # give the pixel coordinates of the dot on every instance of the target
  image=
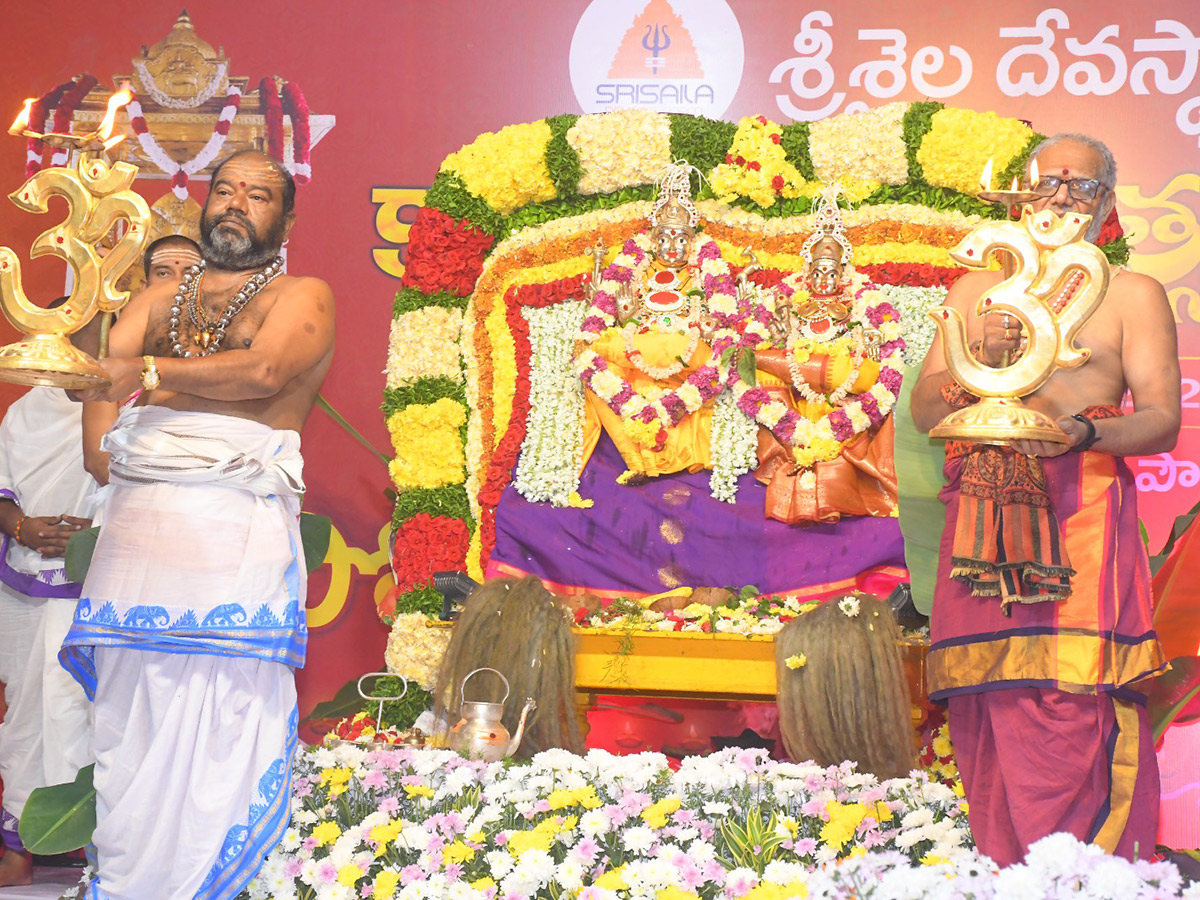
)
(45, 497)
(192, 615)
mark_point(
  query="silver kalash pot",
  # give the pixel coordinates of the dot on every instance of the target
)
(480, 733)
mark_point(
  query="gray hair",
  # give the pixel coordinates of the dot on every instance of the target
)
(1108, 167)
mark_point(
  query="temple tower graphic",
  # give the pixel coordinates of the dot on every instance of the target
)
(656, 45)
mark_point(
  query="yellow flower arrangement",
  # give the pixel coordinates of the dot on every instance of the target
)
(429, 451)
(757, 167)
(620, 148)
(655, 815)
(892, 252)
(861, 150)
(961, 141)
(506, 168)
(796, 661)
(424, 344)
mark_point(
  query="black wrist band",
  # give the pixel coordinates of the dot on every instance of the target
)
(1092, 437)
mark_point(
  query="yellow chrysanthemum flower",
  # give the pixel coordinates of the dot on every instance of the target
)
(796, 661)
(506, 168)
(429, 451)
(961, 141)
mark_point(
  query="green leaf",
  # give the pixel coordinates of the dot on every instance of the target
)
(1169, 693)
(918, 122)
(61, 817)
(346, 702)
(919, 462)
(745, 367)
(78, 558)
(314, 538)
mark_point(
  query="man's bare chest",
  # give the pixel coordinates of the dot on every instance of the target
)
(204, 321)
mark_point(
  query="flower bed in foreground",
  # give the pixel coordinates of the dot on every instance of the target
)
(400, 822)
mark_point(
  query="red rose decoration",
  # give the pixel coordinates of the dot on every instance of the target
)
(1111, 231)
(444, 253)
(426, 544)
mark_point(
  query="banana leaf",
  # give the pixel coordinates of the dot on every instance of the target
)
(919, 463)
(346, 702)
(61, 817)
(315, 531)
(1168, 695)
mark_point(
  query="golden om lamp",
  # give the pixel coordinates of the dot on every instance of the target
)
(1055, 281)
(98, 195)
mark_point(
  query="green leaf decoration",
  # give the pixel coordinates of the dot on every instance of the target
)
(443, 501)
(745, 367)
(1168, 694)
(702, 142)
(794, 141)
(1182, 523)
(450, 195)
(410, 300)
(345, 702)
(60, 818)
(561, 159)
(423, 390)
(78, 558)
(314, 538)
(1016, 165)
(918, 122)
(919, 462)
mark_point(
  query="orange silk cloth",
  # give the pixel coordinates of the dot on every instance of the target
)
(689, 444)
(1099, 639)
(861, 481)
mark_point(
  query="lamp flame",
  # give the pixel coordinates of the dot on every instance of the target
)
(1034, 177)
(115, 102)
(113, 141)
(985, 180)
(22, 120)
(1015, 185)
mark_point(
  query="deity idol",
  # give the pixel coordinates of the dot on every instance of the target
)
(835, 366)
(647, 342)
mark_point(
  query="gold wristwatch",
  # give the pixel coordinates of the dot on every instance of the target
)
(150, 377)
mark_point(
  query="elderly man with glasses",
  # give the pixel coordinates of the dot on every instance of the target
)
(1041, 625)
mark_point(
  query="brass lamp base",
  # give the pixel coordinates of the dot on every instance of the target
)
(998, 420)
(50, 360)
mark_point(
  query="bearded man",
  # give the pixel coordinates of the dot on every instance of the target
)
(1041, 625)
(192, 615)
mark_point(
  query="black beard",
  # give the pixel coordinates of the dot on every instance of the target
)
(224, 249)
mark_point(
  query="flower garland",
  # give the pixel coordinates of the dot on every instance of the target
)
(734, 448)
(647, 420)
(823, 439)
(444, 254)
(179, 172)
(272, 111)
(757, 167)
(414, 650)
(295, 106)
(65, 112)
(35, 148)
(551, 454)
(426, 544)
(202, 96)
(919, 329)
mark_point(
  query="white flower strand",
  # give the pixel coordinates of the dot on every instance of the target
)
(734, 447)
(552, 452)
(913, 303)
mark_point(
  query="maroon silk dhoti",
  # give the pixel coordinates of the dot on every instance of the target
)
(1037, 761)
(1045, 711)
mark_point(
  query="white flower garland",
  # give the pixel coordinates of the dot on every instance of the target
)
(734, 447)
(913, 303)
(180, 172)
(552, 452)
(202, 96)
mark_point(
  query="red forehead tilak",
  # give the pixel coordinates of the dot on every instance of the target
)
(243, 184)
(1066, 172)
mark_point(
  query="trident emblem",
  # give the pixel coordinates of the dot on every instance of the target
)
(662, 40)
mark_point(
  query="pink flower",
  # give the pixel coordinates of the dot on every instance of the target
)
(411, 874)
(326, 872)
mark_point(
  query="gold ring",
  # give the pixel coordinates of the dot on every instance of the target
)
(1007, 335)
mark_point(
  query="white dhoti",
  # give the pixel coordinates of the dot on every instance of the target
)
(45, 736)
(186, 635)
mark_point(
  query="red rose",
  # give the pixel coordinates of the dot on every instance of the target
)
(775, 138)
(777, 182)
(444, 254)
(426, 544)
(754, 164)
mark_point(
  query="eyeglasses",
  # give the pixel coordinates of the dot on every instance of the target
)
(1078, 188)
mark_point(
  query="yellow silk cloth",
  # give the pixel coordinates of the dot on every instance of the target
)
(689, 445)
(861, 481)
